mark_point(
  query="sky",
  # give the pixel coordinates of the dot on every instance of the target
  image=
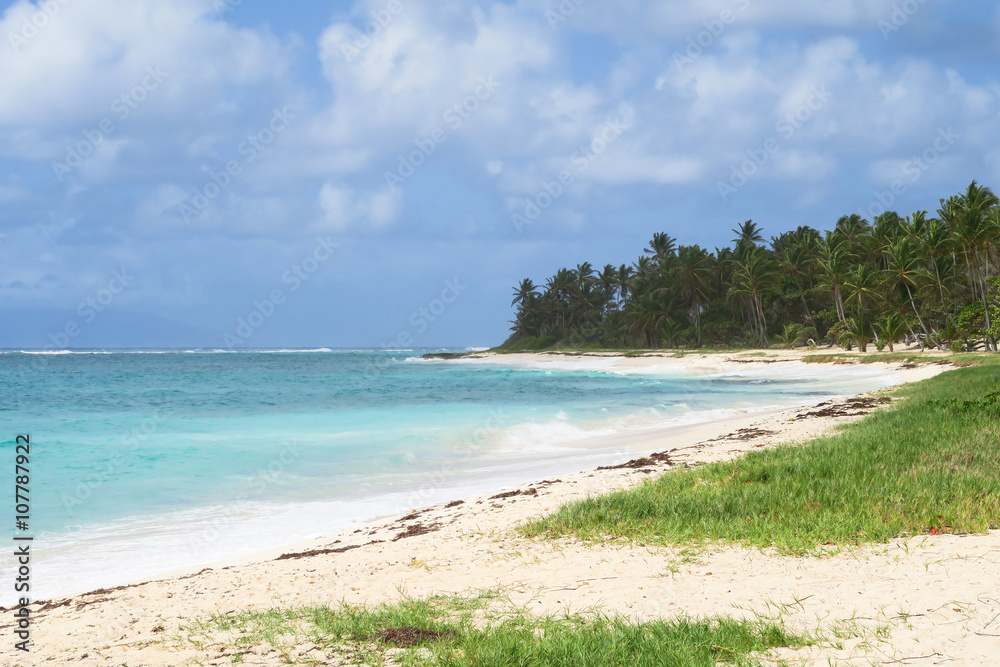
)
(240, 173)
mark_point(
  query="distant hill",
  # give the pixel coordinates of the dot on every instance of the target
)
(24, 328)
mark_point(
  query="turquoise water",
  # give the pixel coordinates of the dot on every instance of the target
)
(176, 458)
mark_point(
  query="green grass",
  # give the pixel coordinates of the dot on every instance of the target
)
(958, 359)
(472, 634)
(929, 463)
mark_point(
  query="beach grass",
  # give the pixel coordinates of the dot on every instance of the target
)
(960, 359)
(451, 630)
(930, 463)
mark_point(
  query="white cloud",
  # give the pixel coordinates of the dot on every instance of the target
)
(344, 209)
(89, 54)
(679, 19)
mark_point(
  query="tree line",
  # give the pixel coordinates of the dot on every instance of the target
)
(922, 278)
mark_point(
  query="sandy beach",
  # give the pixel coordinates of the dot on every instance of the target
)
(921, 601)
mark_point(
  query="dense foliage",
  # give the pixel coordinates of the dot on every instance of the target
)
(918, 278)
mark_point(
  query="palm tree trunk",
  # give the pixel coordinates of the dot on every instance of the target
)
(758, 302)
(986, 301)
(937, 275)
(917, 313)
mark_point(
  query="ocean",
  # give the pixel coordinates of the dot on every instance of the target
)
(147, 461)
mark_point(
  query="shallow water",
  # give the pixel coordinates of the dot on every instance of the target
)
(148, 461)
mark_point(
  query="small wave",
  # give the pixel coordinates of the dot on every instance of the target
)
(64, 352)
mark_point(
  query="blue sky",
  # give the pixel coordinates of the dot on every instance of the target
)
(169, 169)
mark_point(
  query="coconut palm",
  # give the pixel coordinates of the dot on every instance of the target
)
(799, 260)
(662, 244)
(940, 269)
(891, 328)
(650, 313)
(608, 281)
(523, 291)
(971, 213)
(834, 267)
(791, 336)
(906, 271)
(623, 283)
(691, 278)
(748, 235)
(754, 278)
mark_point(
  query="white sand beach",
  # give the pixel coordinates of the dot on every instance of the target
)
(920, 601)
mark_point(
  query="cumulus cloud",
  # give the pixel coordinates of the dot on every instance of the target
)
(84, 56)
(497, 100)
(343, 208)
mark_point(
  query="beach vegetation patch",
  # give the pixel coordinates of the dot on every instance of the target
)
(929, 463)
(448, 630)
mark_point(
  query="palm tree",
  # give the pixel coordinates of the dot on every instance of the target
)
(887, 228)
(943, 270)
(560, 287)
(623, 282)
(650, 313)
(691, 277)
(587, 306)
(972, 212)
(755, 277)
(858, 327)
(608, 280)
(798, 259)
(523, 291)
(853, 228)
(661, 245)
(791, 335)
(833, 271)
(936, 240)
(748, 235)
(863, 287)
(643, 269)
(906, 270)
(891, 328)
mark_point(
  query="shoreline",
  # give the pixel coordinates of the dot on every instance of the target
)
(576, 456)
(374, 562)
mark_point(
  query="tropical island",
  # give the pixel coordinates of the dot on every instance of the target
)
(922, 278)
